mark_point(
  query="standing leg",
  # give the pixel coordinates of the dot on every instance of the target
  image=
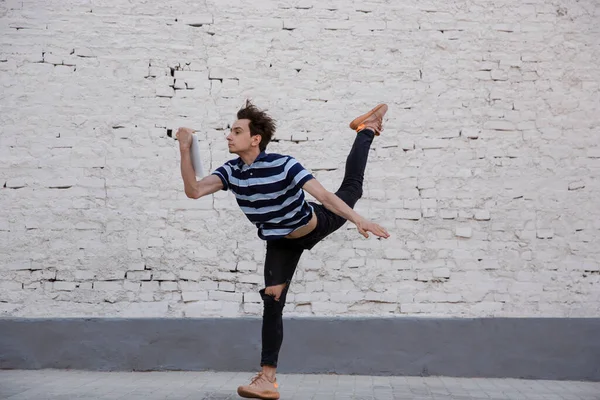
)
(280, 264)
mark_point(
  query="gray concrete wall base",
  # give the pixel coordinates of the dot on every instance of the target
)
(535, 348)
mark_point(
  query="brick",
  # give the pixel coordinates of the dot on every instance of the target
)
(414, 215)
(429, 203)
(424, 276)
(66, 286)
(226, 287)
(338, 25)
(593, 152)
(412, 203)
(329, 308)
(463, 231)
(430, 297)
(397, 254)
(346, 253)
(347, 297)
(487, 307)
(448, 214)
(406, 144)
(490, 264)
(150, 287)
(17, 265)
(15, 183)
(499, 75)
(147, 296)
(441, 273)
(169, 286)
(499, 125)
(202, 285)
(429, 213)
(432, 143)
(253, 297)
(576, 185)
(417, 308)
(464, 214)
(179, 84)
(524, 288)
(108, 285)
(85, 286)
(129, 286)
(483, 75)
(139, 275)
(471, 133)
(427, 193)
(225, 296)
(155, 242)
(84, 275)
(190, 275)
(591, 266)
(264, 23)
(136, 266)
(222, 73)
(381, 297)
(253, 309)
(52, 58)
(354, 263)
(402, 25)
(150, 309)
(165, 91)
(196, 20)
(194, 296)
(84, 52)
(164, 276)
(251, 279)
(246, 266)
(544, 233)
(482, 215)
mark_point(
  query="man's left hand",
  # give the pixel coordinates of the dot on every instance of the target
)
(365, 226)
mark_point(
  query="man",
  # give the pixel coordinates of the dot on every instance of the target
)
(269, 190)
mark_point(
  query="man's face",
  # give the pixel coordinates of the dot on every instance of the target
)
(239, 139)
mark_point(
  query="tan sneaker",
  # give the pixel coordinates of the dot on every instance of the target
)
(260, 388)
(372, 120)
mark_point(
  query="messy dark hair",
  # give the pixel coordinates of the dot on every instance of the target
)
(260, 123)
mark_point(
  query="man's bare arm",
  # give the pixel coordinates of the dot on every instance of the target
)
(337, 205)
(194, 189)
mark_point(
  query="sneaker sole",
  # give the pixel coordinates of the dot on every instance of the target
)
(253, 395)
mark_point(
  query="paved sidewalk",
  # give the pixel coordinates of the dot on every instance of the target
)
(80, 385)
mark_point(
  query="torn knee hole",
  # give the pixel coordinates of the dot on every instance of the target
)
(275, 291)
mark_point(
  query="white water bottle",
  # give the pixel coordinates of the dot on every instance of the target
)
(195, 156)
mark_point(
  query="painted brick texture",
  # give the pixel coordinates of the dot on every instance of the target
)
(487, 173)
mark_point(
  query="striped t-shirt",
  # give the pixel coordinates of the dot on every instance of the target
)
(269, 191)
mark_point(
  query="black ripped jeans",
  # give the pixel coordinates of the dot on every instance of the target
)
(283, 254)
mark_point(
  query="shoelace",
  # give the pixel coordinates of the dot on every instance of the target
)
(258, 377)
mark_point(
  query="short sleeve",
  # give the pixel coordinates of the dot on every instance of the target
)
(223, 173)
(297, 174)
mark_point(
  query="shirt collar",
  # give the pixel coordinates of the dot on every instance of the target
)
(261, 156)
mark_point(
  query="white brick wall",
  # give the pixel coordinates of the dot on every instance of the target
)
(487, 175)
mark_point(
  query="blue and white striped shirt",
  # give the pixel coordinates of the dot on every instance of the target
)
(269, 191)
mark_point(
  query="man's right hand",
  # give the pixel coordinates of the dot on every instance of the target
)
(184, 136)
